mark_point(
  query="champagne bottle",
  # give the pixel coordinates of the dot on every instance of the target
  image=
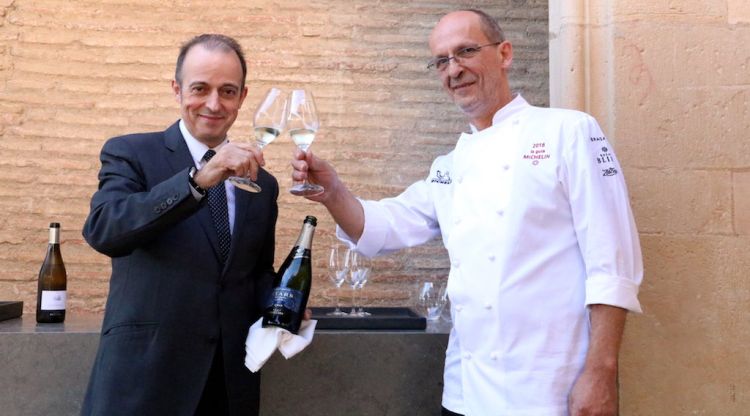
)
(291, 288)
(53, 281)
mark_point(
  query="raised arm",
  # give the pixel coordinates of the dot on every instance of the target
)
(345, 209)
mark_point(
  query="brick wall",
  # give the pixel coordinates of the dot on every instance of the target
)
(74, 73)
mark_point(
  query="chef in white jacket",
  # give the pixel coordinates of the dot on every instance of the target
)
(533, 209)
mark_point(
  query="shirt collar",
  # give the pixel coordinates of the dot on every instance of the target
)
(515, 105)
(197, 149)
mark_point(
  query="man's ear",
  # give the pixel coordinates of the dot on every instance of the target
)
(506, 54)
(176, 90)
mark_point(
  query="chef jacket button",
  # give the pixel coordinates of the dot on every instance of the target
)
(459, 308)
(491, 257)
(467, 356)
(506, 167)
(461, 179)
(456, 264)
(515, 122)
(457, 221)
(494, 355)
(488, 306)
(500, 212)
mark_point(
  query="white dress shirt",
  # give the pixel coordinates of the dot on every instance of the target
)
(197, 151)
(535, 215)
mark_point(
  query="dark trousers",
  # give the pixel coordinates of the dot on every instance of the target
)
(214, 401)
(447, 412)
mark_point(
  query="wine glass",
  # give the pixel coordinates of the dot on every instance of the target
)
(268, 123)
(431, 299)
(303, 124)
(337, 271)
(359, 268)
(364, 266)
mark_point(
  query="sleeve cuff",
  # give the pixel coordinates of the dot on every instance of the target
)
(373, 236)
(614, 291)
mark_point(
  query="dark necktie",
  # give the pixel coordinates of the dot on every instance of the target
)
(217, 203)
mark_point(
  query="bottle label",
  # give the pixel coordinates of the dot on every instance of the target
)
(53, 300)
(284, 297)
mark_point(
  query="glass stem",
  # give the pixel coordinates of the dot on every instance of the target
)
(338, 298)
(354, 300)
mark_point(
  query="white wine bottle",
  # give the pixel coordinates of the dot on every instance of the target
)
(53, 281)
(291, 288)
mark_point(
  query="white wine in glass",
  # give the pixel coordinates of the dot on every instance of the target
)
(303, 124)
(268, 123)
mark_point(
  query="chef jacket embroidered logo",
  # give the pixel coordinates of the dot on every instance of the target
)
(537, 152)
(605, 156)
(444, 179)
(609, 172)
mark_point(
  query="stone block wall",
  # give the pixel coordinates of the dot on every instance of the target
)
(74, 73)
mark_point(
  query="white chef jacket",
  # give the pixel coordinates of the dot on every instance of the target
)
(535, 215)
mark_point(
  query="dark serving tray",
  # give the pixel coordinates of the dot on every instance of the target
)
(380, 318)
(10, 310)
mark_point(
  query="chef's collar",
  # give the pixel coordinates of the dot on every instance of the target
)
(197, 148)
(517, 104)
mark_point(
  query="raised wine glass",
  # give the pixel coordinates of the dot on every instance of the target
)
(303, 124)
(337, 270)
(268, 123)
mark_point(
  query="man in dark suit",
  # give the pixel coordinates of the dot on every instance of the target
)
(189, 274)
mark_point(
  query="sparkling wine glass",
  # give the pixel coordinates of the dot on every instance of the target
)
(268, 123)
(358, 266)
(364, 266)
(303, 124)
(337, 271)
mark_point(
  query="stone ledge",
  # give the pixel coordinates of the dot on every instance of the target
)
(46, 368)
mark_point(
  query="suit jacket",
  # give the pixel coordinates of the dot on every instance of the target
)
(170, 300)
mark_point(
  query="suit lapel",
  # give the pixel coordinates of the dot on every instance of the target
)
(179, 158)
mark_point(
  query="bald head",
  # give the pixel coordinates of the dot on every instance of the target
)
(478, 59)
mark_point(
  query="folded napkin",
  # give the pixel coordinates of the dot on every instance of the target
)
(262, 342)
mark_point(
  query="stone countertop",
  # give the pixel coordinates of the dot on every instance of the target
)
(342, 372)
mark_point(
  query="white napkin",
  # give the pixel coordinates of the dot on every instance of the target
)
(262, 342)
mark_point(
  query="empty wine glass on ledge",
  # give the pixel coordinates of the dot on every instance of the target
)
(303, 124)
(268, 122)
(431, 299)
(337, 271)
(364, 266)
(358, 271)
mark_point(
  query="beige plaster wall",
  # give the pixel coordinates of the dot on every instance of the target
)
(670, 82)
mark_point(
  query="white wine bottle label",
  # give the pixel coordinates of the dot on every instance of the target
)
(286, 298)
(53, 300)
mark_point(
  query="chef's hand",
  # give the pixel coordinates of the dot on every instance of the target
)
(308, 314)
(315, 170)
(594, 394)
(233, 159)
(340, 202)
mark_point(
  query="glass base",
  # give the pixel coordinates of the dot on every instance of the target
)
(245, 184)
(306, 189)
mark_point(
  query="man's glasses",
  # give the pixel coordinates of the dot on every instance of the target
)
(441, 62)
